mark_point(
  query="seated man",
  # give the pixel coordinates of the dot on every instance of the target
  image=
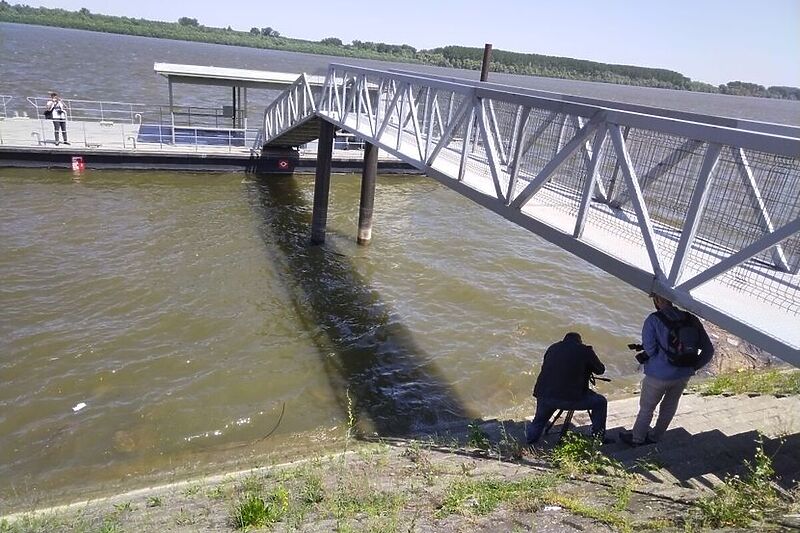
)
(563, 383)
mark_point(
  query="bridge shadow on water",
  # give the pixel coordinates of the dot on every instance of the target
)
(373, 364)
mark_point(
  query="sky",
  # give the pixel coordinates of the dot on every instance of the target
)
(713, 41)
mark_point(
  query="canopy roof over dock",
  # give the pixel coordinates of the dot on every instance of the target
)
(238, 79)
(230, 77)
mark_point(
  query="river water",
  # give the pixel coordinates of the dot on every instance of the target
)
(201, 331)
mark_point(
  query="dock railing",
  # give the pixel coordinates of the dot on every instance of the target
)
(94, 110)
(105, 125)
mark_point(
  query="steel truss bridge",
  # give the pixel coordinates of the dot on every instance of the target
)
(700, 209)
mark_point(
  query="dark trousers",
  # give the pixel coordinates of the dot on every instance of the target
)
(595, 403)
(60, 124)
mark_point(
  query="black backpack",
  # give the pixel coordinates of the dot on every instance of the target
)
(683, 340)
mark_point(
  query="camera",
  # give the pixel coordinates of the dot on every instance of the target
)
(642, 355)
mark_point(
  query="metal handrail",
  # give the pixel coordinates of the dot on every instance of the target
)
(294, 105)
(130, 112)
(91, 109)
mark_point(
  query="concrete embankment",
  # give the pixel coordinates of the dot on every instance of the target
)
(446, 484)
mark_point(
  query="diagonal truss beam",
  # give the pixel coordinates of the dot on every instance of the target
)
(758, 204)
(742, 255)
(645, 225)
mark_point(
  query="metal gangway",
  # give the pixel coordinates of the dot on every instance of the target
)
(703, 210)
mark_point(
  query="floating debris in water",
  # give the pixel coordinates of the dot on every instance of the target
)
(78, 407)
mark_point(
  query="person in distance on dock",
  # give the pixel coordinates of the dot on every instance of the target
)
(676, 346)
(58, 112)
(563, 383)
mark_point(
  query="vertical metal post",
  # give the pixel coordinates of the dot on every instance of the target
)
(171, 112)
(322, 183)
(368, 178)
(244, 108)
(233, 118)
(487, 58)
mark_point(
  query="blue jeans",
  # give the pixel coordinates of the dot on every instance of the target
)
(595, 403)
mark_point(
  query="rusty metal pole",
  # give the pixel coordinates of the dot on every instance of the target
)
(368, 178)
(487, 58)
(322, 183)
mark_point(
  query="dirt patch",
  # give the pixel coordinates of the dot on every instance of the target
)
(732, 354)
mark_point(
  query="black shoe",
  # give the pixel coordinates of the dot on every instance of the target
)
(57, 143)
(627, 438)
(65, 142)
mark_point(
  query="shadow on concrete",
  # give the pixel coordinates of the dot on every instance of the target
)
(373, 363)
(685, 456)
(692, 457)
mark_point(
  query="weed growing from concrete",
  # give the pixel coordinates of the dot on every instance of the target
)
(154, 501)
(255, 510)
(607, 516)
(110, 527)
(622, 496)
(477, 437)
(740, 501)
(124, 507)
(312, 491)
(579, 454)
(481, 497)
(508, 445)
(191, 491)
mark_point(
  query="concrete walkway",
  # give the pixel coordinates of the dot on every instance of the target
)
(709, 438)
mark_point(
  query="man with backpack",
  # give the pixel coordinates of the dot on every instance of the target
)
(676, 346)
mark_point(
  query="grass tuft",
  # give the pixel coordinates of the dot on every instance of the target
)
(751, 381)
(579, 454)
(478, 438)
(257, 511)
(154, 501)
(739, 502)
(481, 497)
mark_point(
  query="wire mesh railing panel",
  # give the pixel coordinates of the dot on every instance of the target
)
(544, 133)
(667, 168)
(775, 199)
(504, 119)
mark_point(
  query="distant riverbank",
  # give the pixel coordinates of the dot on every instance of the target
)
(509, 62)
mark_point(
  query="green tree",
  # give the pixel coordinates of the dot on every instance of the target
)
(186, 21)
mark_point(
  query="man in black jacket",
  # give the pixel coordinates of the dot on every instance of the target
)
(563, 383)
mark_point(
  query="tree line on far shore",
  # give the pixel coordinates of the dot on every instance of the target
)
(189, 29)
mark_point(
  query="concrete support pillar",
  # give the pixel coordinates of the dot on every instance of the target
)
(322, 182)
(368, 178)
